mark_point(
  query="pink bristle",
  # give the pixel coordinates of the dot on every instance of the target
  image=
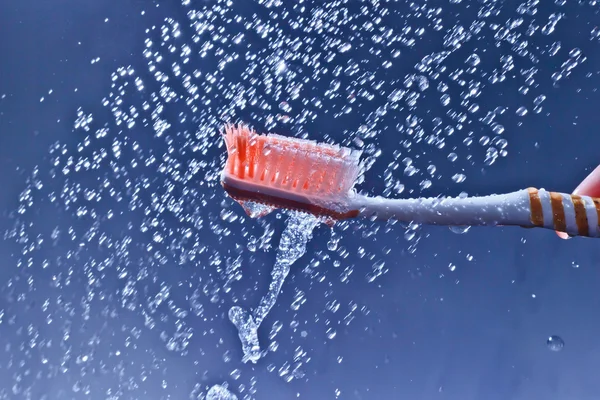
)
(289, 164)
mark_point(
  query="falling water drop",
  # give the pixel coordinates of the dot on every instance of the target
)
(459, 178)
(473, 60)
(521, 111)
(555, 343)
(460, 229)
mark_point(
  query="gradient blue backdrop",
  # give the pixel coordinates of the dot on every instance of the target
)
(477, 333)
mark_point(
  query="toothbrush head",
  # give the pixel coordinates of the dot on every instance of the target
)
(289, 173)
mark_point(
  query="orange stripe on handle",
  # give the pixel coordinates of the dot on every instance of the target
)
(597, 204)
(537, 213)
(574, 219)
(581, 218)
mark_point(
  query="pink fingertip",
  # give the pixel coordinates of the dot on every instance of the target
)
(590, 186)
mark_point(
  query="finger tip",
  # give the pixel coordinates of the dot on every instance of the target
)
(563, 235)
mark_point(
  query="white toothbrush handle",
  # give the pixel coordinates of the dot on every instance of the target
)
(575, 215)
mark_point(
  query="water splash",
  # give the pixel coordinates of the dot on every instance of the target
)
(136, 201)
(218, 392)
(292, 246)
(247, 332)
(255, 210)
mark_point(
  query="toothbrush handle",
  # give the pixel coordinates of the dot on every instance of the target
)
(529, 208)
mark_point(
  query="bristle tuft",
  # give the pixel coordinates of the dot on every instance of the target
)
(297, 166)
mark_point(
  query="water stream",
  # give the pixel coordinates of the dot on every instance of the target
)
(292, 246)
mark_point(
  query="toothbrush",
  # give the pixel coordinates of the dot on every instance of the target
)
(318, 178)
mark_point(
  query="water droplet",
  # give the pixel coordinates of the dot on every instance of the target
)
(473, 108)
(491, 154)
(460, 229)
(284, 106)
(473, 60)
(539, 99)
(410, 170)
(551, 25)
(256, 210)
(412, 121)
(555, 343)
(445, 99)
(459, 178)
(521, 111)
(331, 333)
(344, 47)
(555, 48)
(422, 82)
(332, 244)
(576, 52)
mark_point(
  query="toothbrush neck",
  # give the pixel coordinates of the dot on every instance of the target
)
(501, 209)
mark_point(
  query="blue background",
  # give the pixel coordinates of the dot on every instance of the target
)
(420, 331)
